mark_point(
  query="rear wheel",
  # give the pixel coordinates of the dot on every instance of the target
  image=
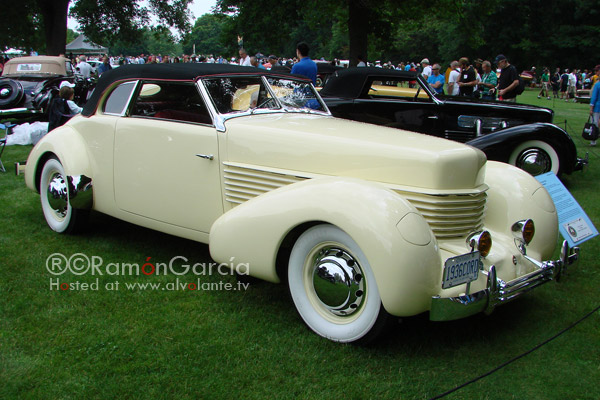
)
(54, 194)
(333, 287)
(536, 157)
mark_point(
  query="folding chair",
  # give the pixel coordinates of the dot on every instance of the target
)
(7, 128)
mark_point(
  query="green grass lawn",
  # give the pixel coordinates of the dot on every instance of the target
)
(250, 344)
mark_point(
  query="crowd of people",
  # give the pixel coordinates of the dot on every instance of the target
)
(497, 79)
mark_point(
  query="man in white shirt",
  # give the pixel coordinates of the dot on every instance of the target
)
(453, 78)
(244, 58)
(572, 84)
(426, 68)
(85, 69)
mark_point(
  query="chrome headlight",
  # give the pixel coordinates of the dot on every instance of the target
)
(524, 230)
(480, 241)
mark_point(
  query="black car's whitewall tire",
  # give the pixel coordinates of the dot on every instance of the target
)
(536, 157)
(54, 195)
(333, 287)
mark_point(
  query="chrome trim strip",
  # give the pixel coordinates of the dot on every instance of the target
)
(499, 292)
(81, 193)
(20, 110)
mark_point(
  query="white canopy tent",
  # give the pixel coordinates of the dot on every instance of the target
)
(14, 52)
(83, 45)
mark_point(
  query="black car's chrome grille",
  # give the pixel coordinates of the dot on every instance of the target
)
(449, 216)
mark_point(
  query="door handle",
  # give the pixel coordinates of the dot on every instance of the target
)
(433, 117)
(206, 156)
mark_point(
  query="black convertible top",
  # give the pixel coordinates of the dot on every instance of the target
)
(171, 71)
(350, 82)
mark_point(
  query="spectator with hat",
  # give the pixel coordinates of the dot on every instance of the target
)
(509, 80)
(426, 68)
(62, 108)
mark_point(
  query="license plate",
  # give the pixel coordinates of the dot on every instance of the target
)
(461, 269)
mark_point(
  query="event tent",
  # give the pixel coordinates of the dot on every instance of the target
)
(82, 45)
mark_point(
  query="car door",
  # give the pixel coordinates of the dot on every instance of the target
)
(399, 103)
(166, 161)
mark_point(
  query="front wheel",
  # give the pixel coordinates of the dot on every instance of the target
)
(535, 157)
(333, 287)
(54, 194)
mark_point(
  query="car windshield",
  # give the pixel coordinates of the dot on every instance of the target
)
(232, 95)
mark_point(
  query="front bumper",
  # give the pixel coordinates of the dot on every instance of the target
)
(19, 112)
(499, 292)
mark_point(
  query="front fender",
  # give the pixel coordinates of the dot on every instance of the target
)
(515, 195)
(68, 146)
(395, 238)
(498, 145)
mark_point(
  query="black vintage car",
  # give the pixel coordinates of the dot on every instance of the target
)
(518, 134)
(28, 84)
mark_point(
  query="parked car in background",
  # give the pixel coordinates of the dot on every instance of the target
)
(362, 222)
(324, 71)
(94, 64)
(28, 83)
(517, 134)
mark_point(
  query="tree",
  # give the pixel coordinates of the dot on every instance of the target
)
(349, 23)
(101, 20)
(206, 36)
(21, 24)
(54, 17)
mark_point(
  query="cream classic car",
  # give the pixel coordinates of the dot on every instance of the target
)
(362, 223)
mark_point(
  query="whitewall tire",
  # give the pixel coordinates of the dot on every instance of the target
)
(536, 157)
(333, 287)
(54, 195)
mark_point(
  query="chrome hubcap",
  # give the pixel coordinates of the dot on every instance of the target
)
(534, 161)
(57, 195)
(338, 281)
(4, 92)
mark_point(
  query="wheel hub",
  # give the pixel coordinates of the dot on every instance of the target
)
(338, 281)
(57, 195)
(534, 161)
(4, 92)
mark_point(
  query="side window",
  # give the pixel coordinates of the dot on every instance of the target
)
(117, 101)
(398, 88)
(69, 68)
(172, 101)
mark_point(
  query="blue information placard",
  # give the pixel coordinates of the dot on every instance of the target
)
(573, 223)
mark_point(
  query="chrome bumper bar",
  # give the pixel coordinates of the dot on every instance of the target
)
(20, 110)
(499, 292)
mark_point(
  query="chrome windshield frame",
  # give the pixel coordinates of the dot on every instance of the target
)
(220, 118)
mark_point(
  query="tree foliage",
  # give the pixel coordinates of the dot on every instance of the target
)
(538, 32)
(30, 23)
(206, 36)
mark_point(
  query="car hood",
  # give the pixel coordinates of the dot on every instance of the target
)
(320, 145)
(533, 113)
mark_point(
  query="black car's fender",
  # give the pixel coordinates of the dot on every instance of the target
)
(501, 145)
